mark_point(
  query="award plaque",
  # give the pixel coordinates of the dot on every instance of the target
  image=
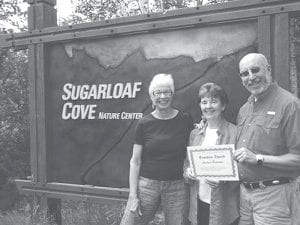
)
(214, 162)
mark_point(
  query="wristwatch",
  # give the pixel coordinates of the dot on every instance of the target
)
(259, 159)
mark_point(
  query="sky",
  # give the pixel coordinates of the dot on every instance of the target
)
(65, 7)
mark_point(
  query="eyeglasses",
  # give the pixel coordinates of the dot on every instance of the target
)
(253, 70)
(159, 93)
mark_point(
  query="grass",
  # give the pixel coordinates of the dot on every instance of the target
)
(73, 213)
(78, 213)
(18, 217)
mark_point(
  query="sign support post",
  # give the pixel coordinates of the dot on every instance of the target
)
(41, 14)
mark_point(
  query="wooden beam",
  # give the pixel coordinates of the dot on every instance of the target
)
(281, 50)
(74, 191)
(45, 16)
(41, 114)
(32, 112)
(148, 23)
(264, 36)
(50, 2)
(38, 18)
(41, 14)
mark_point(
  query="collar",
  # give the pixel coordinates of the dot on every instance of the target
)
(220, 131)
(265, 94)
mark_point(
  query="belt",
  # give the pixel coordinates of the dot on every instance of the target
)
(263, 184)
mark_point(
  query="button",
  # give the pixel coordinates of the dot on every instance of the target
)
(244, 140)
(249, 124)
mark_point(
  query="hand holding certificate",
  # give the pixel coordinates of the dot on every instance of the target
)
(213, 162)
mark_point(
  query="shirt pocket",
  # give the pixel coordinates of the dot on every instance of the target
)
(267, 122)
(267, 130)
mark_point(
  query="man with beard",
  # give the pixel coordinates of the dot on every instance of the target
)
(268, 148)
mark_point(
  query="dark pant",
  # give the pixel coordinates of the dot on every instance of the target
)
(203, 213)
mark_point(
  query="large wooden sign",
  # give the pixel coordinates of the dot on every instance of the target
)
(97, 89)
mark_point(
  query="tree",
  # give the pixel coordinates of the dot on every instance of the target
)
(14, 133)
(13, 15)
(93, 10)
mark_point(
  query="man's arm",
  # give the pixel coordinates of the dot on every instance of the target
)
(286, 162)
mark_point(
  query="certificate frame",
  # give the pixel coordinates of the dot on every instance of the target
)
(214, 162)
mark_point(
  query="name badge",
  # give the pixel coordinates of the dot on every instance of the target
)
(271, 113)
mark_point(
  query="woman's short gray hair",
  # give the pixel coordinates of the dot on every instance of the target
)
(161, 79)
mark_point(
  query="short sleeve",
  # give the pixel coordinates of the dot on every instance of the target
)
(291, 126)
(139, 134)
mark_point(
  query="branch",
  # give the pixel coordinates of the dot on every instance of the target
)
(4, 94)
(138, 2)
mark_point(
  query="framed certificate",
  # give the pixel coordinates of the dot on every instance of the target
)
(214, 162)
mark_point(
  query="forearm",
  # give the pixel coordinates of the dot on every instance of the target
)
(185, 165)
(285, 162)
(134, 177)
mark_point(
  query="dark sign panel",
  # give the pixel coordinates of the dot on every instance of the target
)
(98, 89)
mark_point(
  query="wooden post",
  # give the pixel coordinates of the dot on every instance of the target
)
(281, 50)
(264, 36)
(41, 14)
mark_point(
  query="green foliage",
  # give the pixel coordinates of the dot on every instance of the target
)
(109, 9)
(94, 10)
(13, 15)
(9, 195)
(87, 213)
(73, 213)
(98, 10)
(14, 132)
(25, 215)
